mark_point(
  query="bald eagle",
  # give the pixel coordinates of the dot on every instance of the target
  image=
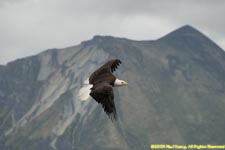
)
(100, 87)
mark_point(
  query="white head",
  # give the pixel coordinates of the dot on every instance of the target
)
(120, 83)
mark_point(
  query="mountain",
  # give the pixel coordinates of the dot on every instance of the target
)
(175, 95)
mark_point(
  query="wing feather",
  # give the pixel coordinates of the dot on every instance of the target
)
(103, 94)
(114, 64)
(108, 68)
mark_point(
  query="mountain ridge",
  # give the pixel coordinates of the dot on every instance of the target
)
(96, 38)
(175, 95)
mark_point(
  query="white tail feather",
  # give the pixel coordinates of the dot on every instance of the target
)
(85, 91)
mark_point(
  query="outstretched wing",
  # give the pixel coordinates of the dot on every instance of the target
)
(108, 67)
(103, 94)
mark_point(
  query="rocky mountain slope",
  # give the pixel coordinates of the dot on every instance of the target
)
(175, 95)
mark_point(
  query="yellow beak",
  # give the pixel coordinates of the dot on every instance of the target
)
(124, 83)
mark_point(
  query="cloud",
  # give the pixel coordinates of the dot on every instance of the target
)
(5, 2)
(30, 26)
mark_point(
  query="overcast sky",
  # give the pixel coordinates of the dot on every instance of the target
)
(31, 26)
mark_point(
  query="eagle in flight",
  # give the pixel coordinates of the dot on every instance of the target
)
(100, 87)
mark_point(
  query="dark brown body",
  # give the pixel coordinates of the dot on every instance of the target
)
(102, 91)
